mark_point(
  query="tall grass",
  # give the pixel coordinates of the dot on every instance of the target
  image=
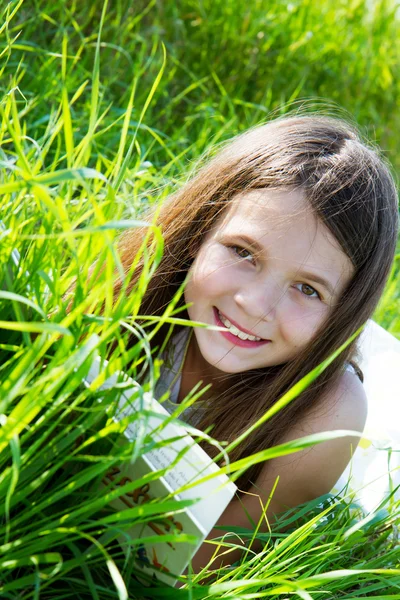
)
(104, 107)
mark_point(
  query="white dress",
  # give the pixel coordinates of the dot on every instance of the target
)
(374, 470)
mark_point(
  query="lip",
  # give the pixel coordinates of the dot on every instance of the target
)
(233, 338)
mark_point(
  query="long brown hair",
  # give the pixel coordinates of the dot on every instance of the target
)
(351, 190)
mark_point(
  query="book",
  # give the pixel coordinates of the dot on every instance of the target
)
(189, 464)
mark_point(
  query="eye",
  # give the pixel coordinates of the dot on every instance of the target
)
(307, 290)
(242, 252)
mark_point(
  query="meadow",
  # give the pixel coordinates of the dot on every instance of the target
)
(105, 108)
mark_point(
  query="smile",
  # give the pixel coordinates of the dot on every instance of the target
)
(235, 335)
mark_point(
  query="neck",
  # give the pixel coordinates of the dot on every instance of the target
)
(196, 369)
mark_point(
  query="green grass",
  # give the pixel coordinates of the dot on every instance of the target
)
(104, 110)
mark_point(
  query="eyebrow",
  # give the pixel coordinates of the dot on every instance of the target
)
(317, 279)
(306, 274)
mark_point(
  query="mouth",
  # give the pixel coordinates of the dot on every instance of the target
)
(236, 335)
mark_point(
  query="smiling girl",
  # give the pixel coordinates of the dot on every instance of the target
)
(285, 239)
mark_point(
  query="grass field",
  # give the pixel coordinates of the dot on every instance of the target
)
(105, 108)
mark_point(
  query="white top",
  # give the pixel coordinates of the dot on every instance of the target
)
(169, 382)
(170, 376)
(374, 470)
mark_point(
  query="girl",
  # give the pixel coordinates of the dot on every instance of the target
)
(285, 239)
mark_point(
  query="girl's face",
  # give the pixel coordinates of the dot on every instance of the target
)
(270, 272)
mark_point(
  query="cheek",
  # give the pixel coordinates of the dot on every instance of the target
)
(201, 287)
(300, 325)
(208, 278)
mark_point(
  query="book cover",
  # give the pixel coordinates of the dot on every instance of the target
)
(188, 463)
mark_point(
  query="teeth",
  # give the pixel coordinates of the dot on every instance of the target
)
(236, 331)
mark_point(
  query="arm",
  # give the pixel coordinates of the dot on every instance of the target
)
(304, 475)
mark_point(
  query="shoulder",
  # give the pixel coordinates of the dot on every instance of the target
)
(312, 472)
(293, 479)
(344, 406)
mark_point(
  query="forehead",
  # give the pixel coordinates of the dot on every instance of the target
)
(282, 220)
(275, 210)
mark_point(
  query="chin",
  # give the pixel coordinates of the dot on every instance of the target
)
(223, 363)
(229, 370)
(228, 366)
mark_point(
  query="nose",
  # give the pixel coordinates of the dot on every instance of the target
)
(260, 299)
